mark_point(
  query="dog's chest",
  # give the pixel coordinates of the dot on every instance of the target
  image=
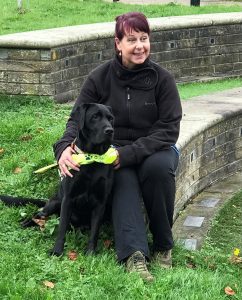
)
(92, 181)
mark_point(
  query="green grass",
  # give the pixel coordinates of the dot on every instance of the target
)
(29, 127)
(188, 90)
(50, 14)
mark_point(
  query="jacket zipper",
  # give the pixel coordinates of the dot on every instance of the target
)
(128, 105)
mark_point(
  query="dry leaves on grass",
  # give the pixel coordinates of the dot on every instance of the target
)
(229, 291)
(49, 284)
(1, 150)
(17, 170)
(40, 222)
(72, 255)
(26, 137)
(107, 244)
(235, 258)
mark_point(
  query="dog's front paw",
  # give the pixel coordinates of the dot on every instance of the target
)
(55, 252)
(28, 223)
(58, 249)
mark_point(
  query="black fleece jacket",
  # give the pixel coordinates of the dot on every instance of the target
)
(145, 104)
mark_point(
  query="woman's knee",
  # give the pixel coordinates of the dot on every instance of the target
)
(160, 165)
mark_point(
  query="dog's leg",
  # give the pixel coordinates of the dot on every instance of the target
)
(96, 219)
(53, 206)
(65, 216)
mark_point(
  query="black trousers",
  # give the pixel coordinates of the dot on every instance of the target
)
(154, 182)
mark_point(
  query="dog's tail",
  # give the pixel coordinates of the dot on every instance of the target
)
(21, 201)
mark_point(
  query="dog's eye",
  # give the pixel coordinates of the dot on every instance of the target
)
(95, 116)
(110, 118)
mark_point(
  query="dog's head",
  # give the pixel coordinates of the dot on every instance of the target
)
(95, 127)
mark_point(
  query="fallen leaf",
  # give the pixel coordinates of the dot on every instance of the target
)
(17, 170)
(212, 266)
(1, 150)
(191, 265)
(107, 243)
(229, 291)
(49, 284)
(26, 137)
(40, 129)
(235, 259)
(41, 222)
(72, 255)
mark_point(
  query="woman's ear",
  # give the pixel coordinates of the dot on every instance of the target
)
(117, 43)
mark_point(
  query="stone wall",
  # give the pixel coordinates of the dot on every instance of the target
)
(212, 152)
(55, 62)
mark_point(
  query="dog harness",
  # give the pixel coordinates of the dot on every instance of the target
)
(87, 158)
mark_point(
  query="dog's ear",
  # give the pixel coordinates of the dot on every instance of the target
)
(79, 114)
(110, 109)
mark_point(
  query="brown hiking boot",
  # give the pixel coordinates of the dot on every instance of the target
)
(163, 258)
(137, 263)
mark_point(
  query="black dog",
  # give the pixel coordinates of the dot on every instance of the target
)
(88, 190)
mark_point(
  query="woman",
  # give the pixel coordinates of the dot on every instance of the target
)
(147, 111)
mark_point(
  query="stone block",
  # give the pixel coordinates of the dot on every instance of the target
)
(13, 89)
(107, 54)
(29, 89)
(225, 58)
(224, 68)
(237, 66)
(65, 97)
(3, 76)
(189, 244)
(23, 77)
(63, 86)
(209, 202)
(3, 53)
(70, 73)
(45, 54)
(47, 89)
(23, 54)
(238, 153)
(3, 87)
(193, 221)
(52, 77)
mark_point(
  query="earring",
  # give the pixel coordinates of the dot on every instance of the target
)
(120, 53)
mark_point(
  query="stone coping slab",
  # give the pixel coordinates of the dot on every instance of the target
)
(55, 37)
(207, 110)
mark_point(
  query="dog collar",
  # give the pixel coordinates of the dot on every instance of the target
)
(86, 158)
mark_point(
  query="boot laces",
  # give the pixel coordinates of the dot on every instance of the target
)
(139, 263)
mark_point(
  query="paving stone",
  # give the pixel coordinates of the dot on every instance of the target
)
(210, 202)
(189, 244)
(193, 221)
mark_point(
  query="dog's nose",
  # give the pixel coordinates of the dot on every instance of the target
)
(108, 130)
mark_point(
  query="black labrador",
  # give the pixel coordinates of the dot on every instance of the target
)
(89, 189)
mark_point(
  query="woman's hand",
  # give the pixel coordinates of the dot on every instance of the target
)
(116, 163)
(65, 162)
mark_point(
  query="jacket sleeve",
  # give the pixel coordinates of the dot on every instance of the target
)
(164, 132)
(88, 94)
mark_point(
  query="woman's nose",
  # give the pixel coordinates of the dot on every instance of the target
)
(139, 44)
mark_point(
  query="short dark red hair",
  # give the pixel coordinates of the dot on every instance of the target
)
(131, 21)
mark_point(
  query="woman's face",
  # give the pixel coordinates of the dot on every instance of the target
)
(135, 48)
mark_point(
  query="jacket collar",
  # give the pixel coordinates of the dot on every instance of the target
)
(144, 77)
